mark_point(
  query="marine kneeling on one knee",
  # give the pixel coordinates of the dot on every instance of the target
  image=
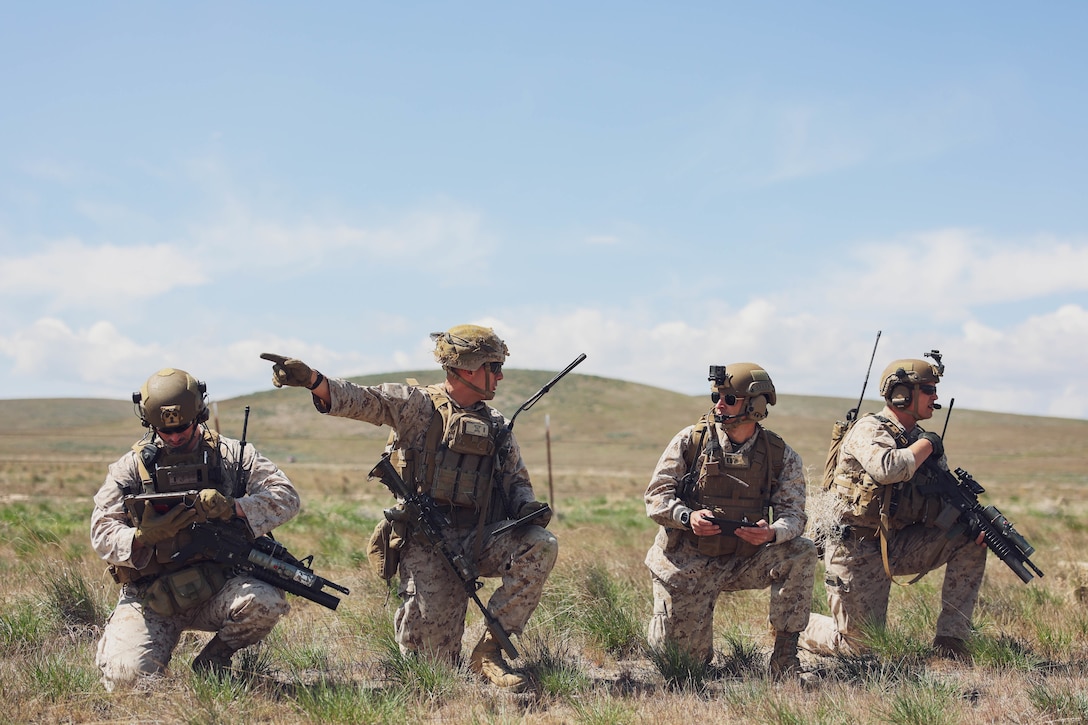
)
(180, 485)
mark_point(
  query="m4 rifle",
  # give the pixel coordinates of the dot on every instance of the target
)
(262, 557)
(962, 490)
(421, 510)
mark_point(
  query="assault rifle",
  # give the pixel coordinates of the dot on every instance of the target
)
(263, 558)
(232, 544)
(421, 508)
(961, 490)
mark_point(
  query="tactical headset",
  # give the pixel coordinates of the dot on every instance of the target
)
(901, 377)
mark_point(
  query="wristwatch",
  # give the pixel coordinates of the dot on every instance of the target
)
(685, 519)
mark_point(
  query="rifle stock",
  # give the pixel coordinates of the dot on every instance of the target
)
(432, 522)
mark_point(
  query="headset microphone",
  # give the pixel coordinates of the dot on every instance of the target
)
(936, 406)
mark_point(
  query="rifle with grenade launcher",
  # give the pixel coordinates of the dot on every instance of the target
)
(231, 542)
(962, 490)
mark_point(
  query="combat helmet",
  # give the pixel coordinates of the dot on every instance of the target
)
(171, 398)
(467, 347)
(899, 379)
(744, 380)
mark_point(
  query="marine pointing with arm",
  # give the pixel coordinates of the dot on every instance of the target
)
(447, 445)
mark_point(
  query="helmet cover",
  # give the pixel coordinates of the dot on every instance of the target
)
(467, 347)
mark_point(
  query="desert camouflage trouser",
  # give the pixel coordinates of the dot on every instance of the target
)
(431, 618)
(138, 642)
(686, 585)
(858, 587)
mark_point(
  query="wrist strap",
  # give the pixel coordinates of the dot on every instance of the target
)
(320, 379)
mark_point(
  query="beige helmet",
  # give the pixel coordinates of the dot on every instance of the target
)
(744, 380)
(467, 347)
(171, 399)
(899, 379)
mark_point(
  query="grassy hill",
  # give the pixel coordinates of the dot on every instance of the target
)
(611, 429)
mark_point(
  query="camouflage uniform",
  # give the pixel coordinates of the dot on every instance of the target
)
(686, 583)
(139, 642)
(857, 585)
(431, 618)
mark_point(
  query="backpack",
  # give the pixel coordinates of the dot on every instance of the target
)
(838, 433)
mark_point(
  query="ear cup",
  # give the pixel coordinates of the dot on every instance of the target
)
(901, 396)
(757, 407)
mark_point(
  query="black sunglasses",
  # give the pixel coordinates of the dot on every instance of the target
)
(174, 430)
(494, 367)
(928, 389)
(730, 399)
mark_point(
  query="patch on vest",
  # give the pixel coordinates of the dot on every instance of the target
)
(735, 460)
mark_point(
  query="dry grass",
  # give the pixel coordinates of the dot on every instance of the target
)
(323, 666)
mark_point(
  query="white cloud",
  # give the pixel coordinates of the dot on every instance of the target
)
(951, 274)
(73, 274)
(602, 239)
(448, 235)
(814, 338)
(97, 360)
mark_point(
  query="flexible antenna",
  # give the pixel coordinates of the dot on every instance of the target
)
(852, 414)
(947, 416)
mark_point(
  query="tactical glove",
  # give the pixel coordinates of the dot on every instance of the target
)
(530, 506)
(288, 371)
(935, 441)
(155, 528)
(210, 504)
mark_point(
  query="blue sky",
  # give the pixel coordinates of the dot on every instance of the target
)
(659, 185)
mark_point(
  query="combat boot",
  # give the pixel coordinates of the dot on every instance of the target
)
(785, 664)
(784, 660)
(214, 658)
(952, 648)
(487, 661)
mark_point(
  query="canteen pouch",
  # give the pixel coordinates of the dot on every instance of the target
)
(184, 589)
(383, 548)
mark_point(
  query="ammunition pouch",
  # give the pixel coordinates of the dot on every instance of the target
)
(384, 547)
(181, 590)
(899, 504)
(456, 463)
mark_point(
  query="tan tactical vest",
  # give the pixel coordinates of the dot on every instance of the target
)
(161, 472)
(893, 506)
(456, 464)
(733, 485)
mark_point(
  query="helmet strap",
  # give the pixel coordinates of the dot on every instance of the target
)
(486, 395)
